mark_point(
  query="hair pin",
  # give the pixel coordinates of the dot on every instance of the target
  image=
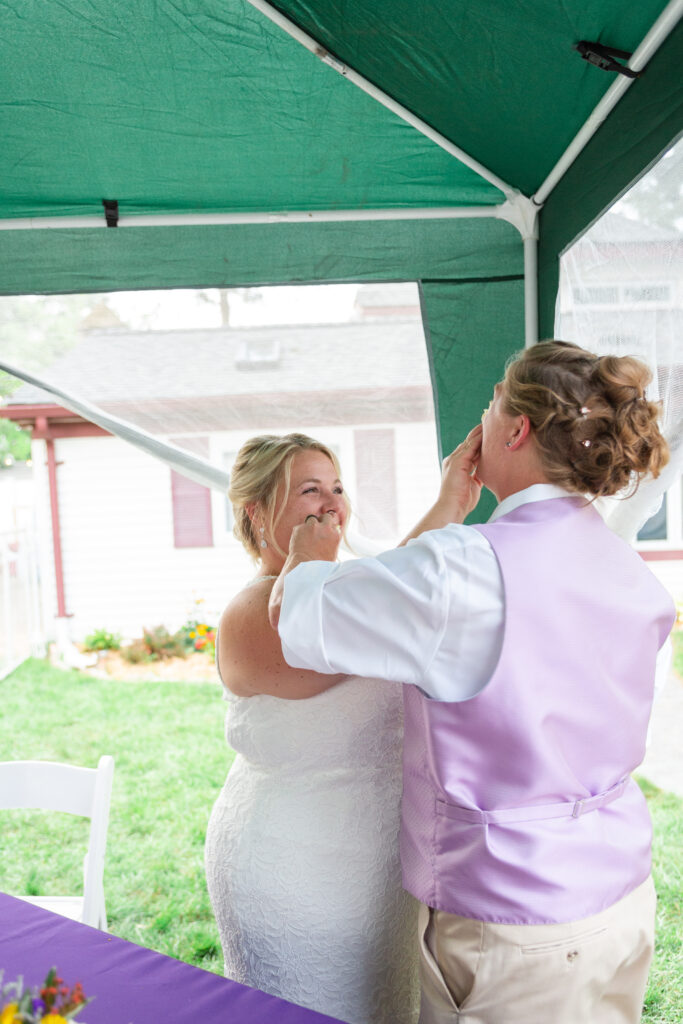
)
(584, 411)
(586, 443)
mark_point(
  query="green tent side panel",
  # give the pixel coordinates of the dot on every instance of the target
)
(472, 273)
(221, 256)
(472, 328)
(642, 126)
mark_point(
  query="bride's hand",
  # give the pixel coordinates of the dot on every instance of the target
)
(316, 540)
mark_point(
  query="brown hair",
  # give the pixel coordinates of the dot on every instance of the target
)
(263, 463)
(595, 430)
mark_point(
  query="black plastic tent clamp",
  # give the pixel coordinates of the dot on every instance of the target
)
(111, 212)
(605, 57)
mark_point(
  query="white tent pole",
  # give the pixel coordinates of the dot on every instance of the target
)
(382, 97)
(530, 290)
(663, 26)
(200, 470)
(523, 213)
(257, 217)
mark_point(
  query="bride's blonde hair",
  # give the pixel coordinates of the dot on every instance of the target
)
(262, 464)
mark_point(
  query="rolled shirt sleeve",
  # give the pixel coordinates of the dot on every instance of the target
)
(421, 614)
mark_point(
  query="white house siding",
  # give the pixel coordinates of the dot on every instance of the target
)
(20, 611)
(670, 575)
(48, 592)
(121, 569)
(419, 471)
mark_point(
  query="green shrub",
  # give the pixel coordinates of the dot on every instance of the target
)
(155, 645)
(102, 640)
(137, 652)
(162, 644)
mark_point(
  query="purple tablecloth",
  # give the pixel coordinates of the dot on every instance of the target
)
(131, 984)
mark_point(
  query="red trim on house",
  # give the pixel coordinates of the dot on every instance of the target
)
(56, 533)
(51, 422)
(57, 430)
(358, 406)
(661, 556)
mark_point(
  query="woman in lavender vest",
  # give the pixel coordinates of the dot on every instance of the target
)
(530, 645)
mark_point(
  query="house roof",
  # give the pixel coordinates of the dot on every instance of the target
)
(616, 229)
(116, 366)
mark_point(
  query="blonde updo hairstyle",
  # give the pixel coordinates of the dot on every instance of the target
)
(262, 464)
(595, 431)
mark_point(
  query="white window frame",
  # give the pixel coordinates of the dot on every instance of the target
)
(674, 523)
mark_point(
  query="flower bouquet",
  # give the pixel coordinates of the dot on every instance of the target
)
(53, 1001)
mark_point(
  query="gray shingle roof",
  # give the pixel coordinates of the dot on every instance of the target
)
(115, 365)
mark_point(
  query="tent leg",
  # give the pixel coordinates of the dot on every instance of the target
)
(530, 290)
(523, 212)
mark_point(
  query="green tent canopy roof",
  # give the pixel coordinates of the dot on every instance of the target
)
(197, 109)
(193, 107)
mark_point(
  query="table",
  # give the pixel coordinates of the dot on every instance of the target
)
(131, 984)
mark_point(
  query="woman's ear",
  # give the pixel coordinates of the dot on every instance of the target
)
(250, 509)
(522, 429)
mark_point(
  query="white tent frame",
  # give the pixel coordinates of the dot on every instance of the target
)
(519, 210)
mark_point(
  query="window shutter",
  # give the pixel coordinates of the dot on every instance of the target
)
(192, 524)
(376, 481)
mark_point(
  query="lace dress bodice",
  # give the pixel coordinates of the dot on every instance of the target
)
(302, 853)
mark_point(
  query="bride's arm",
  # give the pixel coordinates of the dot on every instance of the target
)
(250, 656)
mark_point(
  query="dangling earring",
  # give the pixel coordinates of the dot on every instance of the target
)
(264, 542)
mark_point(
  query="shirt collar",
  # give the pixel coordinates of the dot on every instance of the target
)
(537, 492)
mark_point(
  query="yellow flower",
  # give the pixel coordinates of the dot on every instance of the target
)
(8, 1014)
(55, 1018)
(192, 635)
(202, 630)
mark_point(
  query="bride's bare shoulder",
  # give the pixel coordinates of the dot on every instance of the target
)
(250, 655)
(248, 603)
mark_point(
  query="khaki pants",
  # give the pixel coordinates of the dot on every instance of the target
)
(592, 971)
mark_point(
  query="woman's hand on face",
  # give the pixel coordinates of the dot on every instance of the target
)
(316, 540)
(460, 487)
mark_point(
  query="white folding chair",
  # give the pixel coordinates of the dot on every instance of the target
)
(48, 786)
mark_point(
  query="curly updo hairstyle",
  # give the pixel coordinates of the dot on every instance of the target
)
(262, 464)
(595, 430)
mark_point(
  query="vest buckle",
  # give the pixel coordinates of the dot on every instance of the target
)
(578, 808)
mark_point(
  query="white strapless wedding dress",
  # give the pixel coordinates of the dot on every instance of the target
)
(302, 854)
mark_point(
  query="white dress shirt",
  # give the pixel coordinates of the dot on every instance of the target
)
(431, 613)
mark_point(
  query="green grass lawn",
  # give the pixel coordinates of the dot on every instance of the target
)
(171, 760)
(677, 638)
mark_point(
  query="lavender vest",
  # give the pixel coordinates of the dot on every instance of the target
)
(518, 806)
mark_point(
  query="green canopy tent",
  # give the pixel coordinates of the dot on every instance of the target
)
(226, 143)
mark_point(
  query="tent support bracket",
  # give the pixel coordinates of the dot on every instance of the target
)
(663, 26)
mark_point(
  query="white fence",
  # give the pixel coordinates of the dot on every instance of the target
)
(21, 631)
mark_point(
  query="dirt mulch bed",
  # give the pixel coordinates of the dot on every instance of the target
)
(196, 668)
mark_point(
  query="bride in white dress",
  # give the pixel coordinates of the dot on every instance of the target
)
(302, 854)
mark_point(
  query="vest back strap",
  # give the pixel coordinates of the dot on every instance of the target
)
(566, 809)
